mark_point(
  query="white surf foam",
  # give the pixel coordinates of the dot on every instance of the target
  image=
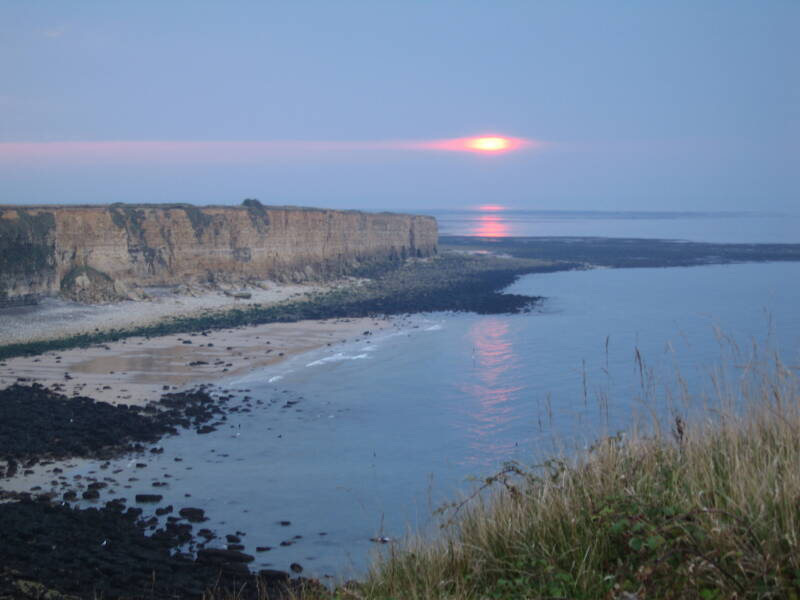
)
(338, 357)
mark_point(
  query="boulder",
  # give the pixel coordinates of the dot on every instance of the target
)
(194, 515)
(148, 498)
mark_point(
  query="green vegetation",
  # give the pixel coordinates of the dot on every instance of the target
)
(26, 243)
(199, 220)
(704, 508)
(132, 216)
(129, 217)
(710, 509)
(258, 214)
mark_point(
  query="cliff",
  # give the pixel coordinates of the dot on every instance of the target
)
(96, 253)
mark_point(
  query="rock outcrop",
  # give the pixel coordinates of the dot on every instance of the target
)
(99, 253)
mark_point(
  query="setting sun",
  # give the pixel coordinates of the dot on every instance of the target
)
(489, 144)
(483, 144)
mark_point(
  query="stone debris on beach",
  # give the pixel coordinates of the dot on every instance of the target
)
(110, 540)
(57, 426)
(193, 515)
(148, 498)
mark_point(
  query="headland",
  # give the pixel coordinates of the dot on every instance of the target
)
(108, 253)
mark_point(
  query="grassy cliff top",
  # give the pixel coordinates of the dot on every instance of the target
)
(173, 205)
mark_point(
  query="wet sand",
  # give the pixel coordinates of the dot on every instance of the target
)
(136, 370)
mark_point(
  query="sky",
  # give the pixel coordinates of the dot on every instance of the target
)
(624, 105)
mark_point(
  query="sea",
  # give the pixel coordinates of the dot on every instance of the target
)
(716, 227)
(384, 430)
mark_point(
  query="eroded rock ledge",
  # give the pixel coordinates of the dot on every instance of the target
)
(104, 253)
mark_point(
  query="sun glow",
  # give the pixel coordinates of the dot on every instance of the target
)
(484, 144)
(489, 144)
(242, 151)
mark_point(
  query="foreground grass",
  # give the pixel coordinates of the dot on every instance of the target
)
(710, 509)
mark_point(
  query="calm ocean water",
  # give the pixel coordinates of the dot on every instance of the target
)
(699, 227)
(388, 429)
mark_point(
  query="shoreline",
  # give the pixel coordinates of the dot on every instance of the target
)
(36, 323)
(467, 276)
(450, 282)
(138, 370)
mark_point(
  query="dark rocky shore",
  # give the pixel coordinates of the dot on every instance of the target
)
(38, 424)
(623, 253)
(50, 548)
(57, 551)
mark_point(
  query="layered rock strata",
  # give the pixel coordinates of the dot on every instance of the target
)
(96, 253)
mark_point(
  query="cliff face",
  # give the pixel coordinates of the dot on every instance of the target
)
(27, 253)
(104, 249)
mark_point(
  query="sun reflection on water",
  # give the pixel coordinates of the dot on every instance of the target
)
(494, 362)
(490, 225)
(488, 220)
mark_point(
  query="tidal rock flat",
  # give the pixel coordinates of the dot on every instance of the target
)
(624, 252)
(39, 424)
(53, 548)
(62, 552)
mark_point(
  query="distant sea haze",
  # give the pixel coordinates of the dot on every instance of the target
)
(717, 227)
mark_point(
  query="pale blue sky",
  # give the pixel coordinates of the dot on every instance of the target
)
(644, 105)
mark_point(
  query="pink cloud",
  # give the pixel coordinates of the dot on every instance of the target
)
(27, 153)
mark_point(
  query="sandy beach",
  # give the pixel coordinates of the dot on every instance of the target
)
(136, 370)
